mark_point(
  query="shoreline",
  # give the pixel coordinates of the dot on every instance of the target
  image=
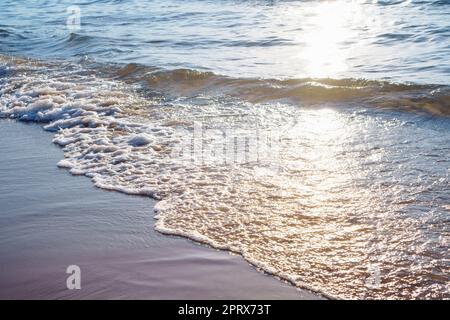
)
(52, 219)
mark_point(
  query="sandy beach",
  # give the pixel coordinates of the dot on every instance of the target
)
(51, 219)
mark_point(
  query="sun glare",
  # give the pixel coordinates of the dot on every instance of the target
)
(327, 38)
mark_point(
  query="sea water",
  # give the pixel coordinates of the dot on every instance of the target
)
(311, 137)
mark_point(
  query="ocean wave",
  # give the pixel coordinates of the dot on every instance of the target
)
(9, 33)
(349, 202)
(383, 94)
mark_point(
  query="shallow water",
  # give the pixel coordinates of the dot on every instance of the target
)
(45, 227)
(313, 138)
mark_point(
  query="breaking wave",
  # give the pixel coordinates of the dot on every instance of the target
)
(382, 94)
(312, 180)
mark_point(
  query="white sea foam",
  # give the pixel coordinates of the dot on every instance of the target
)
(315, 204)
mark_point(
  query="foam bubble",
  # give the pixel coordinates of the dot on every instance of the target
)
(140, 140)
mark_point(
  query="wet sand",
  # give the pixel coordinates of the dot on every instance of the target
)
(50, 220)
